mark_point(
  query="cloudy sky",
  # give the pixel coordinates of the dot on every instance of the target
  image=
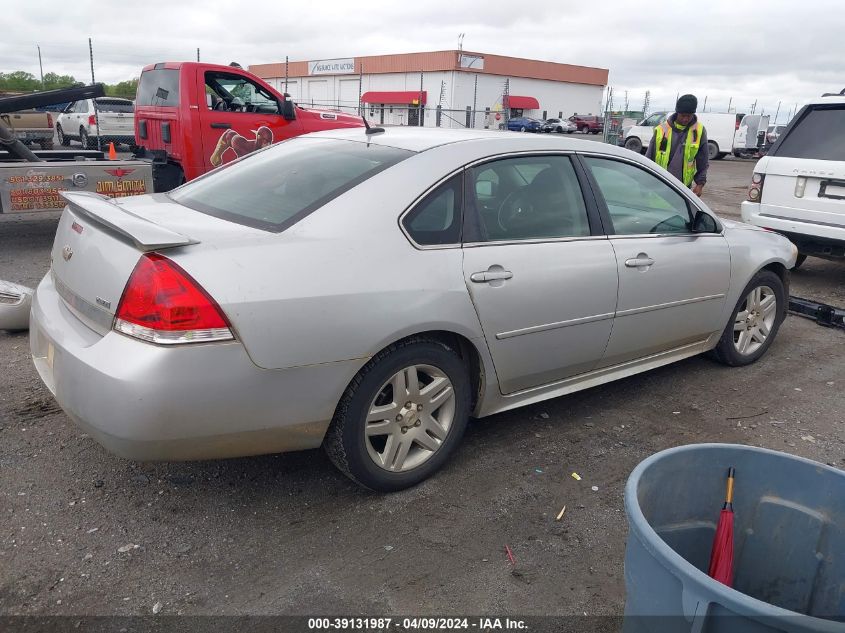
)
(765, 51)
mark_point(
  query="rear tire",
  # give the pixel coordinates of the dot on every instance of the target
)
(366, 456)
(85, 140)
(749, 325)
(712, 150)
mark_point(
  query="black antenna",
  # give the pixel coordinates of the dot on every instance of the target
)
(371, 130)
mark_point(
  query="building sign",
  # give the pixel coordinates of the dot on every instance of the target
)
(473, 62)
(332, 67)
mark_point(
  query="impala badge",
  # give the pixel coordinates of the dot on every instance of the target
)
(67, 253)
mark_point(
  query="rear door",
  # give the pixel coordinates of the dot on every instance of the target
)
(238, 117)
(672, 282)
(541, 274)
(805, 169)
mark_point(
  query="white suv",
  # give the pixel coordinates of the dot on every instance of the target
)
(798, 188)
(116, 117)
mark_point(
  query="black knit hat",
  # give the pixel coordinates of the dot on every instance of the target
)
(686, 104)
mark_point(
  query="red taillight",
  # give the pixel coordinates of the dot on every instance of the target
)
(92, 119)
(163, 304)
(49, 120)
(755, 191)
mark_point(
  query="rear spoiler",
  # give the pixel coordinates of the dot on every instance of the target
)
(146, 235)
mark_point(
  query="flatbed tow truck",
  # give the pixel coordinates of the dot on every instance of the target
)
(32, 181)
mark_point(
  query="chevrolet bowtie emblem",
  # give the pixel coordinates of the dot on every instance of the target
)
(67, 253)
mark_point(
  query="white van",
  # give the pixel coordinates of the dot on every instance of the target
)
(798, 188)
(720, 132)
(750, 135)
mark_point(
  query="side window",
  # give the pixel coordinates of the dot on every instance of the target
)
(528, 197)
(437, 218)
(81, 107)
(234, 93)
(639, 202)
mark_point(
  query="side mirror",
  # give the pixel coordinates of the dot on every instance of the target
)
(287, 108)
(704, 223)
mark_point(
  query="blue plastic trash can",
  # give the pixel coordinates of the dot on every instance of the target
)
(789, 543)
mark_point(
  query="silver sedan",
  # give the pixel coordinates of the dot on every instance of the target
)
(369, 292)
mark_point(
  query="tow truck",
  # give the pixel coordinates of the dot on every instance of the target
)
(32, 181)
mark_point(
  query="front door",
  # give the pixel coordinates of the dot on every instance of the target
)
(237, 117)
(542, 279)
(672, 281)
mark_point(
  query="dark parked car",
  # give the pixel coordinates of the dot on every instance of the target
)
(524, 124)
(588, 123)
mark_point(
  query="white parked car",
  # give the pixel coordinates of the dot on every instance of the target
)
(798, 188)
(116, 118)
(561, 126)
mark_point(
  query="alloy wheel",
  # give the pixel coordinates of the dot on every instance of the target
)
(410, 418)
(754, 320)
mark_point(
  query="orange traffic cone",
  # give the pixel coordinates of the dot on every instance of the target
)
(112, 153)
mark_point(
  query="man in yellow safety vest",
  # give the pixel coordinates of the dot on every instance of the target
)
(679, 145)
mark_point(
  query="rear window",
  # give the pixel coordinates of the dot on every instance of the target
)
(113, 105)
(819, 134)
(274, 188)
(158, 87)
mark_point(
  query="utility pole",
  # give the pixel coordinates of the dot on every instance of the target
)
(729, 104)
(198, 54)
(474, 99)
(286, 76)
(94, 101)
(40, 66)
(360, 89)
(422, 105)
(704, 107)
(646, 103)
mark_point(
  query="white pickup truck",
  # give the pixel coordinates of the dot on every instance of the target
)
(720, 132)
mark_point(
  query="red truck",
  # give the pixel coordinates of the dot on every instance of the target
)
(191, 117)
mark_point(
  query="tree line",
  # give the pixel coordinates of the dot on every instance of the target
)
(21, 81)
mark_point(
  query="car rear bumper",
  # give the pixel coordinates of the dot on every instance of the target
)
(810, 237)
(149, 402)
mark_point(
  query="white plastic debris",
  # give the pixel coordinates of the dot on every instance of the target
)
(15, 301)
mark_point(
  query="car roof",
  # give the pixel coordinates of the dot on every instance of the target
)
(833, 99)
(417, 139)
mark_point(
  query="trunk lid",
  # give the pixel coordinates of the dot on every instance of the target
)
(806, 190)
(99, 241)
(805, 169)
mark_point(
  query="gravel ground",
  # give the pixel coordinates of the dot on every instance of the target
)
(85, 533)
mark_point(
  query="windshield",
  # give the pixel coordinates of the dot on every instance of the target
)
(275, 188)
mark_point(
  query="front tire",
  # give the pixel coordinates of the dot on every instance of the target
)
(402, 415)
(634, 144)
(755, 321)
(63, 140)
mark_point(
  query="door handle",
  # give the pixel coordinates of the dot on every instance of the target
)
(490, 275)
(221, 126)
(639, 262)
